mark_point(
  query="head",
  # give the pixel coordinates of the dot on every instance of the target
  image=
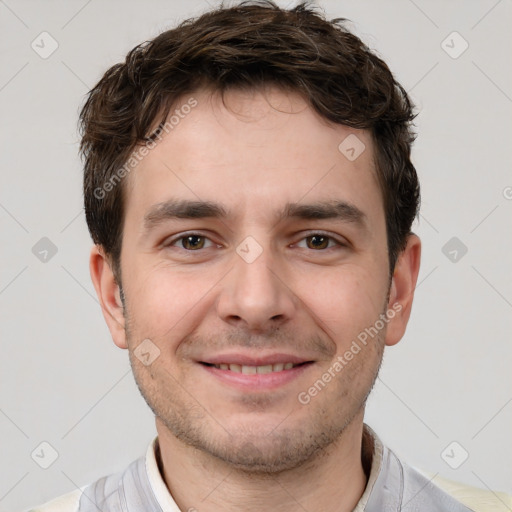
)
(249, 190)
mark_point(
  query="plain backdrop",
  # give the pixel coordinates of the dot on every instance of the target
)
(63, 381)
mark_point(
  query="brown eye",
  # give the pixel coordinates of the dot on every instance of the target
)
(317, 241)
(192, 242)
(320, 242)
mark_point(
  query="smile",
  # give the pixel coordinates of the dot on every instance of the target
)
(252, 370)
(253, 376)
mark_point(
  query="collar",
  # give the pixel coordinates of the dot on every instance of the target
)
(372, 455)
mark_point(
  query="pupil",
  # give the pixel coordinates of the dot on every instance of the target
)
(190, 241)
(318, 241)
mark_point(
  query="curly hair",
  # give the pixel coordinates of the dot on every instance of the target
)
(247, 46)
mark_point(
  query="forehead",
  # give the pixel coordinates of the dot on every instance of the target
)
(257, 149)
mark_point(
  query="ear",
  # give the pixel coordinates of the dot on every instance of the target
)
(109, 296)
(402, 289)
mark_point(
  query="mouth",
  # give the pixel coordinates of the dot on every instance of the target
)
(256, 373)
(253, 370)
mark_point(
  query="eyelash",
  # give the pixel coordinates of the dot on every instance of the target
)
(337, 242)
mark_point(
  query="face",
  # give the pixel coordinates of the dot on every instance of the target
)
(254, 257)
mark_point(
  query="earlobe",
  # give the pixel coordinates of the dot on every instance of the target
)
(402, 289)
(109, 295)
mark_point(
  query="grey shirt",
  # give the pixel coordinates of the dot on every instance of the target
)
(393, 486)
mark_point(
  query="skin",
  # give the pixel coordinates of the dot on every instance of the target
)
(225, 448)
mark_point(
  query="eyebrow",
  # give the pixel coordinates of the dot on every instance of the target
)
(183, 209)
(187, 209)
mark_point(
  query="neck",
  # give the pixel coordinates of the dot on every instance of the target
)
(333, 482)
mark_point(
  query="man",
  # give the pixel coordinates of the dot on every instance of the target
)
(249, 190)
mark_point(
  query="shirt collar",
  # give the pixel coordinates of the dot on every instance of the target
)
(162, 494)
(373, 450)
(372, 447)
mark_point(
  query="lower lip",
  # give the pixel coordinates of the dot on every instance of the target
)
(258, 381)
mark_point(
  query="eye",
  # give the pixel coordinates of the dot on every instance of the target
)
(191, 242)
(320, 241)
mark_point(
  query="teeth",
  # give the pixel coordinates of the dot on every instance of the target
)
(264, 369)
(252, 370)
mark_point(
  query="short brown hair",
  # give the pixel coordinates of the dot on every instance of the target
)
(247, 46)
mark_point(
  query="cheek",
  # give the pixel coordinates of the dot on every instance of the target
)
(165, 300)
(344, 301)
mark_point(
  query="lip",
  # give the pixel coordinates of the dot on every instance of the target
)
(259, 381)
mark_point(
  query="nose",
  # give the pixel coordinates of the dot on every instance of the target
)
(256, 295)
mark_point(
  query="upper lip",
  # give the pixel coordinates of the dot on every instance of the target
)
(254, 360)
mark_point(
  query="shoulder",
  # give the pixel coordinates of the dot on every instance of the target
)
(65, 503)
(477, 500)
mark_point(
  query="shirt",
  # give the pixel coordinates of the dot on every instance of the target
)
(392, 486)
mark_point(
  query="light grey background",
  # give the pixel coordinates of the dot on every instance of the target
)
(62, 379)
